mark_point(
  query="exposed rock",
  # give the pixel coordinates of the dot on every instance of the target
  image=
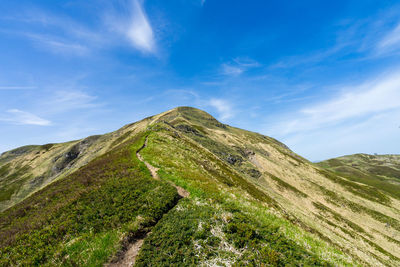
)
(253, 173)
(221, 125)
(233, 159)
(188, 129)
(67, 159)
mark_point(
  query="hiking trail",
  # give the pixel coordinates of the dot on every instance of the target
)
(128, 258)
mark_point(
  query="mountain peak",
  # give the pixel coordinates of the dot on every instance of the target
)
(191, 115)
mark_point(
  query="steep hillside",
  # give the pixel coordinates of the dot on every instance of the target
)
(27, 169)
(182, 188)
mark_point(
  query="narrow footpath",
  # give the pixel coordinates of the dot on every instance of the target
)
(153, 170)
(129, 257)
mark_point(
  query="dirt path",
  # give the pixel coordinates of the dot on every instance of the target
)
(129, 256)
(153, 170)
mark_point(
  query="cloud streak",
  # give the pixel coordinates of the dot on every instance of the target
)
(57, 45)
(238, 66)
(353, 102)
(63, 34)
(20, 117)
(391, 41)
(130, 21)
(126, 21)
(140, 32)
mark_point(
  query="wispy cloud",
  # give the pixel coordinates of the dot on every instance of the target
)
(352, 40)
(17, 116)
(63, 34)
(223, 107)
(140, 31)
(187, 92)
(353, 102)
(231, 70)
(391, 41)
(122, 21)
(238, 65)
(58, 45)
(66, 35)
(62, 101)
(134, 25)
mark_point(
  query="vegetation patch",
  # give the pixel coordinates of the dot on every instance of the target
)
(87, 212)
(121, 138)
(12, 180)
(363, 191)
(214, 226)
(195, 234)
(46, 147)
(283, 185)
(339, 218)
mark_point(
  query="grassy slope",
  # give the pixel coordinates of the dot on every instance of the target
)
(226, 218)
(379, 171)
(81, 219)
(251, 201)
(351, 216)
(27, 169)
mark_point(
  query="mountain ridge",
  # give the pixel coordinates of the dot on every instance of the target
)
(242, 186)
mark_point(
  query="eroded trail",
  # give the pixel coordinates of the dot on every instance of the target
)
(128, 258)
(153, 170)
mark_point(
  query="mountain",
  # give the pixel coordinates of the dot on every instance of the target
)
(181, 188)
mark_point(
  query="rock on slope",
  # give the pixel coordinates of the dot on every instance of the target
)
(252, 201)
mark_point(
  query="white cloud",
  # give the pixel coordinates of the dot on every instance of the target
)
(390, 41)
(376, 134)
(66, 100)
(140, 32)
(353, 102)
(231, 70)
(126, 18)
(361, 118)
(57, 45)
(223, 107)
(246, 62)
(130, 20)
(17, 116)
(238, 65)
(63, 34)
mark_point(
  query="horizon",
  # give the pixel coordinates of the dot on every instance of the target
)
(323, 78)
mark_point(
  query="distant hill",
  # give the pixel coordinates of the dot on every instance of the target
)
(380, 171)
(181, 188)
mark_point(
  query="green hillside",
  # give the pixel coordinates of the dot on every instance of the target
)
(181, 188)
(379, 171)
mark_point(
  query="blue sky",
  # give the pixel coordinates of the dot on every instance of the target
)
(321, 76)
